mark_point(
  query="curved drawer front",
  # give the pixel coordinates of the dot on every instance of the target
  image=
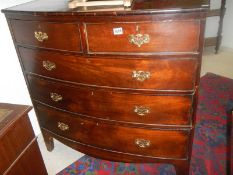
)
(147, 37)
(153, 74)
(135, 108)
(154, 143)
(63, 36)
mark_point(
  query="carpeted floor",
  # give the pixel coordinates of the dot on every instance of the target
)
(209, 149)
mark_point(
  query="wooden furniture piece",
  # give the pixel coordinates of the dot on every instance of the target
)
(18, 145)
(229, 111)
(216, 41)
(120, 85)
(85, 3)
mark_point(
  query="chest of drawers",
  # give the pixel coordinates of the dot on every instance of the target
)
(120, 85)
(18, 143)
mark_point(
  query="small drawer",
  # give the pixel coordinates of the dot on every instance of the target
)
(145, 142)
(110, 105)
(166, 73)
(61, 36)
(143, 37)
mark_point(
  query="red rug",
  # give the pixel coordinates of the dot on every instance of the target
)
(209, 149)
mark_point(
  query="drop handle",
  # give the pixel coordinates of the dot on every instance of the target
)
(41, 36)
(55, 97)
(139, 39)
(48, 65)
(62, 126)
(141, 110)
(142, 143)
(141, 75)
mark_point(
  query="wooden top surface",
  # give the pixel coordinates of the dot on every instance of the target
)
(9, 113)
(138, 7)
(4, 113)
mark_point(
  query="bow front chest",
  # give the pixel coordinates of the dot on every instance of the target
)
(114, 83)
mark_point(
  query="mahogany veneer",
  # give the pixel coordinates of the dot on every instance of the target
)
(163, 36)
(80, 70)
(120, 85)
(85, 131)
(63, 36)
(18, 143)
(94, 102)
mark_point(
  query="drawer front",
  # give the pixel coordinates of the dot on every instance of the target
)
(155, 143)
(62, 36)
(135, 108)
(21, 167)
(154, 74)
(14, 141)
(161, 36)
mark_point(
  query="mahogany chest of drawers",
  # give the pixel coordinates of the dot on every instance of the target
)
(18, 143)
(116, 84)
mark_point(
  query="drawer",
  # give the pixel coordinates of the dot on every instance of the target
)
(148, 37)
(155, 74)
(30, 154)
(145, 142)
(14, 141)
(110, 105)
(62, 36)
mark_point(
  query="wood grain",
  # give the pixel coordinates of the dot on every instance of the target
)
(63, 36)
(93, 75)
(18, 143)
(165, 36)
(164, 109)
(167, 73)
(116, 138)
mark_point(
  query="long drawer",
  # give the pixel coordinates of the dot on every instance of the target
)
(110, 105)
(62, 36)
(145, 142)
(143, 37)
(164, 73)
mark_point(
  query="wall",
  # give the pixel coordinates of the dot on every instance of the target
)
(228, 26)
(212, 23)
(12, 85)
(13, 88)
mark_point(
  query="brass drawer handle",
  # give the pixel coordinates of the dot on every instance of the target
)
(62, 126)
(142, 143)
(40, 36)
(55, 97)
(141, 110)
(139, 39)
(141, 75)
(49, 65)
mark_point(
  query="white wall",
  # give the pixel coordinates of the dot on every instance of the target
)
(228, 26)
(12, 85)
(212, 23)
